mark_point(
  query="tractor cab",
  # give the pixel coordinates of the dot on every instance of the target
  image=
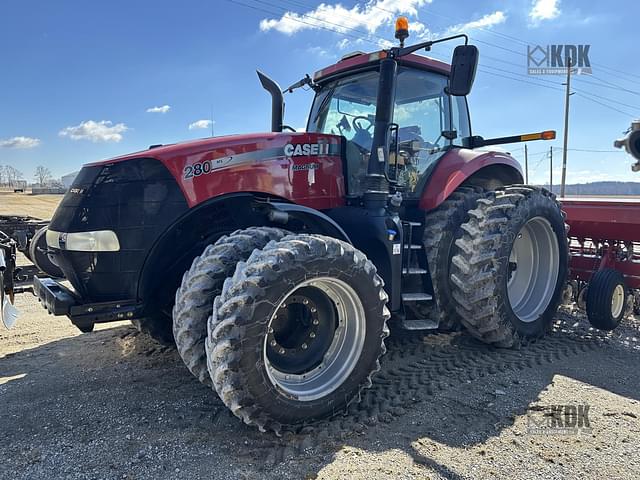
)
(427, 121)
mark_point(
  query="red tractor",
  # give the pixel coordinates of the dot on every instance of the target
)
(276, 259)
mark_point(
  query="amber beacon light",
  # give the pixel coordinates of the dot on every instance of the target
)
(402, 29)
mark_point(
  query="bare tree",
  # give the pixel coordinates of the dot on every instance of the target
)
(43, 175)
(12, 175)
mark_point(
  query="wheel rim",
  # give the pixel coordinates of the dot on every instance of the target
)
(617, 301)
(314, 338)
(534, 263)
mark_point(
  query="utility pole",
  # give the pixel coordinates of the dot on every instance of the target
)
(566, 128)
(551, 169)
(526, 165)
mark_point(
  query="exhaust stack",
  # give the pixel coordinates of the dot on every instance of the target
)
(277, 101)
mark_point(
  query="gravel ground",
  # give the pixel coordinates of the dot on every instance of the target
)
(112, 404)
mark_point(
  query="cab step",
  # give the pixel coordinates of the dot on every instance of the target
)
(414, 271)
(416, 297)
(419, 324)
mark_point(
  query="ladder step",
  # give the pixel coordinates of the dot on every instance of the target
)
(413, 224)
(413, 246)
(419, 324)
(416, 297)
(414, 271)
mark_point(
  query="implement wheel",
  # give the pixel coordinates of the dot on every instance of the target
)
(606, 299)
(511, 266)
(297, 332)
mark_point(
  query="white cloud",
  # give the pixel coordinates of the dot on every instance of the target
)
(200, 124)
(103, 131)
(370, 15)
(20, 142)
(318, 52)
(343, 44)
(544, 10)
(162, 109)
(489, 20)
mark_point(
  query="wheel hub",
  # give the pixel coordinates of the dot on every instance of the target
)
(617, 301)
(314, 338)
(534, 264)
(301, 331)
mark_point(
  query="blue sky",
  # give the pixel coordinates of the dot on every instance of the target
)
(82, 81)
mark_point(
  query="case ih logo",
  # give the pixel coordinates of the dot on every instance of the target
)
(306, 149)
(554, 59)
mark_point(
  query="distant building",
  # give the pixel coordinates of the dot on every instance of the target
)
(67, 180)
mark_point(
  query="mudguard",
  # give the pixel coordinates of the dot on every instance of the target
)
(461, 164)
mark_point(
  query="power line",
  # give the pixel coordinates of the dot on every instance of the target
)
(591, 94)
(606, 84)
(306, 15)
(605, 105)
(519, 80)
(315, 25)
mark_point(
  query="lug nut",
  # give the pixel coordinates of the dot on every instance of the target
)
(305, 301)
(313, 310)
(312, 334)
(316, 322)
(281, 351)
(304, 346)
(273, 343)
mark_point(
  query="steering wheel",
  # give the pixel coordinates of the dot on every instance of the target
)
(359, 127)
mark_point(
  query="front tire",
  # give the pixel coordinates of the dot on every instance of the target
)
(297, 332)
(202, 283)
(606, 299)
(511, 265)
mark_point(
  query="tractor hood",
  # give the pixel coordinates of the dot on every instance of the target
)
(235, 143)
(269, 163)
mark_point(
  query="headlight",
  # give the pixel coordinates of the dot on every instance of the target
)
(100, 241)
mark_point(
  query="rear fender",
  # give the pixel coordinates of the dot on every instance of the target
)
(485, 169)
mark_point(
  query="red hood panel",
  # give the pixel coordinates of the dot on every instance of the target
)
(305, 168)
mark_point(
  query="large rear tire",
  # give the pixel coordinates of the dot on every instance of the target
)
(441, 229)
(202, 283)
(510, 265)
(297, 332)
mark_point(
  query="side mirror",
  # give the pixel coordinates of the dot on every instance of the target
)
(463, 70)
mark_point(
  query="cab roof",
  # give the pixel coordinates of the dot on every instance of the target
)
(359, 60)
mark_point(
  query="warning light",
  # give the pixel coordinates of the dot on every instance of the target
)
(546, 135)
(549, 135)
(402, 29)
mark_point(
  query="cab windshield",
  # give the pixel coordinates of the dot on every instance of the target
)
(426, 117)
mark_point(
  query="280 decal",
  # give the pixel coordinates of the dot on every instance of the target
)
(204, 168)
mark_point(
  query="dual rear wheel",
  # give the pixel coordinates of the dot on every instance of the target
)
(295, 333)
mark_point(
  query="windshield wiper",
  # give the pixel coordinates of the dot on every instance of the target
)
(324, 103)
